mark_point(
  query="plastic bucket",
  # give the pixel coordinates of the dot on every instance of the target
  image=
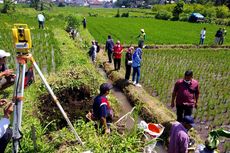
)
(153, 128)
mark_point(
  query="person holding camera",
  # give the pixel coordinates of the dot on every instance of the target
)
(6, 75)
(5, 131)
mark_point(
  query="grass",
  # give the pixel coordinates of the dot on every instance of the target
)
(157, 31)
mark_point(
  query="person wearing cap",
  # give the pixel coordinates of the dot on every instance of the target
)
(136, 64)
(128, 63)
(179, 138)
(186, 93)
(141, 38)
(5, 131)
(41, 20)
(109, 47)
(102, 111)
(117, 53)
(6, 75)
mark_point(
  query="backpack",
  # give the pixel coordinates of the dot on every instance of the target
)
(98, 48)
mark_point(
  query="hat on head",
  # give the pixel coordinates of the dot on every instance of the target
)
(189, 120)
(4, 54)
(105, 87)
(142, 30)
(118, 42)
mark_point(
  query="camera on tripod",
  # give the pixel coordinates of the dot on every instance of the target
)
(22, 38)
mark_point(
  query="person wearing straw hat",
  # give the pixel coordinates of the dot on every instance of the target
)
(141, 38)
(6, 75)
(179, 138)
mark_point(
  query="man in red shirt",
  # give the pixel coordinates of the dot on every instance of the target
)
(117, 53)
(186, 93)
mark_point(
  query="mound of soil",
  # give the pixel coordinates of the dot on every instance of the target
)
(75, 101)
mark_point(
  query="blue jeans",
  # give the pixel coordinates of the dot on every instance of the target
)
(136, 70)
(201, 41)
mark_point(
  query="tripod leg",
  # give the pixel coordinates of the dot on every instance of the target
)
(18, 100)
(56, 100)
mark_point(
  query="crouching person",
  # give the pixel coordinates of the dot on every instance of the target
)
(7, 77)
(5, 131)
(102, 111)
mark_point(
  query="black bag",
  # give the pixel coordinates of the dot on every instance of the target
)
(98, 48)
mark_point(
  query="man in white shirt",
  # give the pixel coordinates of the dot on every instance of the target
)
(5, 131)
(202, 36)
(41, 20)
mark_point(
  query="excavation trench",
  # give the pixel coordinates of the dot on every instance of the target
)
(126, 107)
(75, 101)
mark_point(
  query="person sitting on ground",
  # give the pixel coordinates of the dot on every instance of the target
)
(128, 63)
(179, 138)
(136, 64)
(7, 77)
(117, 53)
(102, 111)
(5, 131)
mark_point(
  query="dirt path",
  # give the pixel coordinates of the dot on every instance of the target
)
(126, 107)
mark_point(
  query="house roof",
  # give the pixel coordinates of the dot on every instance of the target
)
(95, 2)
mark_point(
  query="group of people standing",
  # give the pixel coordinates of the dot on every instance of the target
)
(219, 36)
(132, 59)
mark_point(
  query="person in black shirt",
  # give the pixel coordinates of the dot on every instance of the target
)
(128, 63)
(109, 47)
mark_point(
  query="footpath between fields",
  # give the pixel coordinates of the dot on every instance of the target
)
(179, 46)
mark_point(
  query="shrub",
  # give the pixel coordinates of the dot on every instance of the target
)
(72, 21)
(163, 14)
(125, 15)
(198, 8)
(168, 7)
(209, 12)
(61, 4)
(222, 12)
(184, 17)
(93, 14)
(177, 10)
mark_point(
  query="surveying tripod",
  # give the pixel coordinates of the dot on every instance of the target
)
(23, 56)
